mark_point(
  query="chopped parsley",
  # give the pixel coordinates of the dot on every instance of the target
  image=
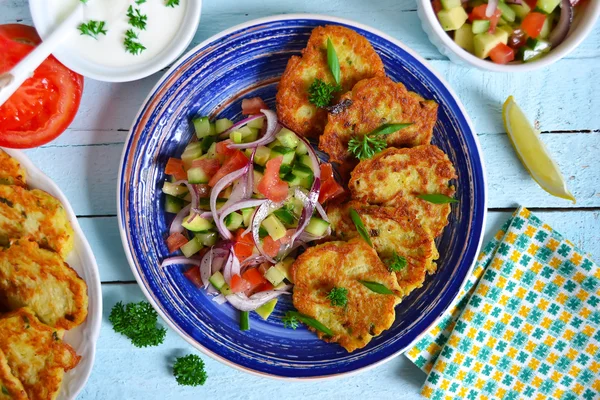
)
(132, 44)
(172, 3)
(338, 296)
(189, 370)
(136, 18)
(321, 93)
(290, 321)
(138, 322)
(92, 28)
(397, 263)
(138, 2)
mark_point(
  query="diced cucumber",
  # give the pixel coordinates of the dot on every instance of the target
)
(236, 137)
(287, 138)
(463, 37)
(221, 125)
(274, 227)
(257, 123)
(208, 143)
(317, 226)
(212, 151)
(257, 178)
(259, 168)
(197, 224)
(274, 143)
(287, 153)
(247, 215)
(301, 148)
(508, 14)
(266, 309)
(197, 175)
(234, 221)
(538, 45)
(506, 28)
(448, 4)
(204, 202)
(521, 10)
(191, 247)
(274, 276)
(486, 42)
(296, 180)
(203, 127)
(174, 190)
(305, 159)
(248, 134)
(452, 19)
(480, 26)
(191, 152)
(295, 206)
(284, 170)
(546, 28)
(218, 281)
(262, 155)
(207, 238)
(285, 267)
(526, 54)
(547, 6)
(173, 204)
(285, 216)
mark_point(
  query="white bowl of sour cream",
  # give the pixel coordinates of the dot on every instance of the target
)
(123, 48)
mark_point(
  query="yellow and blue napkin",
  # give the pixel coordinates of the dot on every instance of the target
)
(526, 325)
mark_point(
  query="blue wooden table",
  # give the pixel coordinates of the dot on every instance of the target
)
(564, 99)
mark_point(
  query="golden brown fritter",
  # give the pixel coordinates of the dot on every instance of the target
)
(11, 388)
(11, 172)
(35, 353)
(39, 279)
(376, 102)
(396, 176)
(34, 214)
(392, 230)
(342, 265)
(357, 60)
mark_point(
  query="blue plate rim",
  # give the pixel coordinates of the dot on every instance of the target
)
(143, 108)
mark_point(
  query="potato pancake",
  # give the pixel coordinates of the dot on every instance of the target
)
(357, 61)
(11, 387)
(395, 177)
(40, 279)
(341, 265)
(376, 102)
(393, 230)
(11, 172)
(35, 214)
(35, 353)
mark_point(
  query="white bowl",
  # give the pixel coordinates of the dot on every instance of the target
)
(82, 338)
(584, 21)
(42, 20)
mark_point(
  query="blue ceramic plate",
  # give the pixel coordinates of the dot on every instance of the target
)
(244, 61)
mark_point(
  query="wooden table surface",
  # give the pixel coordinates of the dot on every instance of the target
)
(564, 98)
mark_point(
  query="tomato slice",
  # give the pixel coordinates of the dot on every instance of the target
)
(533, 3)
(238, 284)
(46, 104)
(479, 13)
(231, 164)
(193, 274)
(253, 106)
(533, 23)
(175, 241)
(270, 246)
(330, 188)
(437, 6)
(175, 168)
(253, 277)
(271, 185)
(210, 166)
(244, 245)
(223, 149)
(263, 287)
(502, 54)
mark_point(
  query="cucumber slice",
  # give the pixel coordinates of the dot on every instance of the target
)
(521, 10)
(480, 26)
(217, 280)
(285, 216)
(221, 125)
(274, 276)
(259, 168)
(197, 175)
(262, 232)
(305, 159)
(236, 137)
(547, 6)
(317, 226)
(204, 202)
(234, 221)
(453, 18)
(173, 204)
(288, 154)
(274, 227)
(288, 138)
(266, 309)
(301, 149)
(262, 155)
(203, 127)
(198, 224)
(191, 247)
(284, 170)
(546, 28)
(212, 150)
(247, 215)
(508, 14)
(257, 178)
(207, 238)
(207, 143)
(448, 4)
(191, 152)
(285, 267)
(257, 123)
(174, 190)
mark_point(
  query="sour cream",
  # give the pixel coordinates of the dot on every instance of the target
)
(162, 25)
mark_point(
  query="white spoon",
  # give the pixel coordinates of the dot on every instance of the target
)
(11, 80)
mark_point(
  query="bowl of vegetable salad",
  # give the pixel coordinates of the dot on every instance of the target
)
(507, 35)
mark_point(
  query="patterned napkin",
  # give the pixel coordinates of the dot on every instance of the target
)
(526, 325)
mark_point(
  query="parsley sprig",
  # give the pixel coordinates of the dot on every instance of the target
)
(372, 143)
(338, 296)
(397, 263)
(172, 3)
(92, 28)
(132, 44)
(189, 370)
(137, 321)
(320, 93)
(136, 18)
(292, 319)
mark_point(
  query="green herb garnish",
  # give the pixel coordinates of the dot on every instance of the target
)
(295, 316)
(290, 321)
(360, 226)
(333, 62)
(321, 93)
(373, 142)
(244, 320)
(377, 287)
(92, 28)
(132, 45)
(136, 18)
(5, 390)
(137, 321)
(338, 296)
(138, 2)
(189, 370)
(172, 3)
(437, 198)
(397, 263)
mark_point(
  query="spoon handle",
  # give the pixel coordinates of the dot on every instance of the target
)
(13, 79)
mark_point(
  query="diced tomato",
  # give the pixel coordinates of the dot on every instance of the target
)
(263, 268)
(175, 167)
(263, 287)
(244, 245)
(175, 241)
(479, 13)
(253, 106)
(253, 277)
(437, 6)
(330, 188)
(223, 149)
(270, 246)
(235, 162)
(533, 23)
(210, 166)
(238, 284)
(502, 54)
(531, 3)
(193, 274)
(271, 185)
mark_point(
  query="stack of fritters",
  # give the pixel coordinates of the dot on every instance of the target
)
(384, 189)
(40, 294)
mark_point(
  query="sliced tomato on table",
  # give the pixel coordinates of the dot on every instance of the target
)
(271, 185)
(330, 188)
(235, 162)
(46, 104)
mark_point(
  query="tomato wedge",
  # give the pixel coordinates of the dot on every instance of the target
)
(175, 168)
(253, 277)
(238, 284)
(270, 246)
(231, 164)
(479, 13)
(502, 54)
(271, 185)
(533, 23)
(175, 241)
(330, 188)
(223, 149)
(210, 166)
(253, 106)
(244, 245)
(46, 104)
(193, 274)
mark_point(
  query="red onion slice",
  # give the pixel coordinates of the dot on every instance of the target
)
(220, 299)
(309, 202)
(180, 260)
(222, 184)
(193, 191)
(259, 216)
(224, 212)
(559, 33)
(491, 8)
(272, 129)
(245, 303)
(213, 258)
(176, 226)
(239, 124)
